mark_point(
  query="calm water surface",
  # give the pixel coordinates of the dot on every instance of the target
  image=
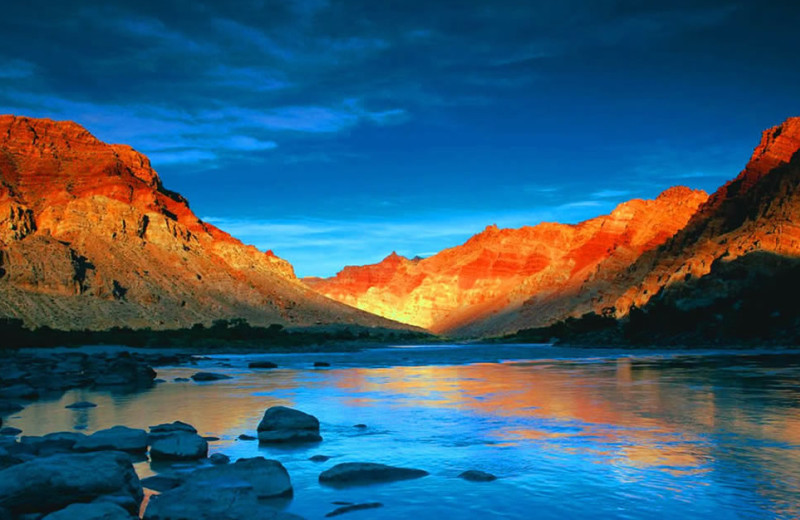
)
(570, 433)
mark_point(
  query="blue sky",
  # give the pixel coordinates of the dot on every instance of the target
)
(335, 132)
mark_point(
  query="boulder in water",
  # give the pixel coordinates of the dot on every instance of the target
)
(282, 425)
(48, 484)
(179, 445)
(209, 376)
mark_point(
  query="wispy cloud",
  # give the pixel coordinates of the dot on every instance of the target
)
(610, 194)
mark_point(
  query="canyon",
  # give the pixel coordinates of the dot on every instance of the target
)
(505, 280)
(91, 239)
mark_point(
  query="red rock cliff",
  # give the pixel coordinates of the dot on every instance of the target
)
(90, 238)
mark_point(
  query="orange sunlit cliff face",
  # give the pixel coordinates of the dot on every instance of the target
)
(502, 281)
(499, 269)
(89, 238)
(758, 211)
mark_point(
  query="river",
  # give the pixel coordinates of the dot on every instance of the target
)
(570, 433)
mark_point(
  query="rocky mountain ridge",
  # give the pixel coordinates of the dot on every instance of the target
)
(90, 238)
(499, 269)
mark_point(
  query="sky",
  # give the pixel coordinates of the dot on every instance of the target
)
(337, 131)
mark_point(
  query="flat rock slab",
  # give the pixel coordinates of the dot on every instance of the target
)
(363, 473)
(119, 438)
(209, 376)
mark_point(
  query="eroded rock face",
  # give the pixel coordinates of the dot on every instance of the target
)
(497, 270)
(759, 210)
(51, 483)
(90, 238)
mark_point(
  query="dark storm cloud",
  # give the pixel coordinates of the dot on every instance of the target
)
(256, 70)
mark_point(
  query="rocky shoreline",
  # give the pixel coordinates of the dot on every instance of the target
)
(72, 475)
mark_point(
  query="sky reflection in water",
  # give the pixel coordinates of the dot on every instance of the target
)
(621, 436)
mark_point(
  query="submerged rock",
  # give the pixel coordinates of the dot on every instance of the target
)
(268, 478)
(209, 376)
(281, 424)
(10, 430)
(81, 404)
(353, 507)
(162, 483)
(319, 458)
(262, 364)
(179, 445)
(50, 483)
(119, 438)
(220, 500)
(245, 437)
(361, 473)
(474, 475)
(94, 511)
(321, 364)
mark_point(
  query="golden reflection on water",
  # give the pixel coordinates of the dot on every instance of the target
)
(655, 423)
(649, 416)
